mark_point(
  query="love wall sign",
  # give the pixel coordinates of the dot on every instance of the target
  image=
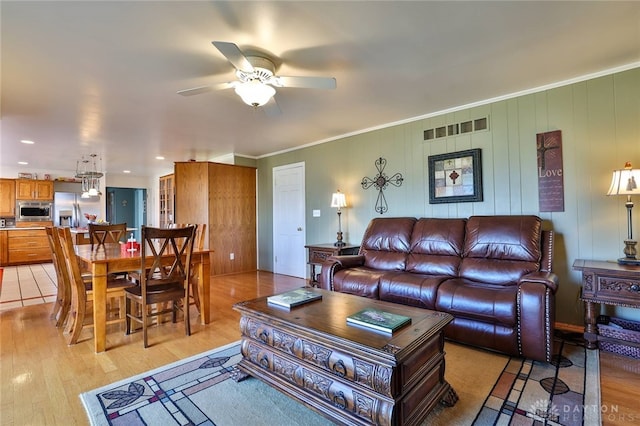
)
(550, 172)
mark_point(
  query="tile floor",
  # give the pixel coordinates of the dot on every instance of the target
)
(27, 285)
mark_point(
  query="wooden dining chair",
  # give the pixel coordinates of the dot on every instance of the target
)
(165, 280)
(201, 234)
(101, 234)
(63, 295)
(81, 290)
(198, 245)
(62, 304)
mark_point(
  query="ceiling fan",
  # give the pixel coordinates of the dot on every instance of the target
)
(257, 80)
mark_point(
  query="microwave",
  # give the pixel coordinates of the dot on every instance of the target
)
(34, 211)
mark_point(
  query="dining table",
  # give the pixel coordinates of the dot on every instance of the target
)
(112, 258)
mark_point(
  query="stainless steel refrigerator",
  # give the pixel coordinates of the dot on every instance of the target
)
(69, 207)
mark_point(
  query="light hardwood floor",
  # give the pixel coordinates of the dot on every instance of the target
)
(41, 377)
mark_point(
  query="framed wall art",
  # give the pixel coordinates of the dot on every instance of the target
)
(455, 177)
(550, 171)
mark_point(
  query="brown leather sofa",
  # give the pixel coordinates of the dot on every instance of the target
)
(492, 273)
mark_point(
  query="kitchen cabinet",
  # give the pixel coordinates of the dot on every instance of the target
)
(27, 245)
(167, 201)
(7, 197)
(3, 248)
(224, 197)
(29, 189)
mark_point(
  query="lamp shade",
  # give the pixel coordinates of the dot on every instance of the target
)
(338, 200)
(255, 93)
(625, 181)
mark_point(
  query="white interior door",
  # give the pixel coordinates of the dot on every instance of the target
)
(289, 236)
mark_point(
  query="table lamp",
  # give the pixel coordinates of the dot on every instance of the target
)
(625, 182)
(339, 201)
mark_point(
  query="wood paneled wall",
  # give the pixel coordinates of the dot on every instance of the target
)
(600, 123)
(224, 197)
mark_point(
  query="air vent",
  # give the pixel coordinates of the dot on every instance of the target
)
(479, 124)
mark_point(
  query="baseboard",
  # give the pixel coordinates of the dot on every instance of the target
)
(569, 327)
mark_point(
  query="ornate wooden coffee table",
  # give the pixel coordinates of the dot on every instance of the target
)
(347, 373)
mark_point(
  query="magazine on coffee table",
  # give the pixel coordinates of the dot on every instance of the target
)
(378, 320)
(294, 298)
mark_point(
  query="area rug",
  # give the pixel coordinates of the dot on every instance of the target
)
(563, 392)
(492, 389)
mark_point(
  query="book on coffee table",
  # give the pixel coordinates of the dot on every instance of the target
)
(294, 298)
(378, 320)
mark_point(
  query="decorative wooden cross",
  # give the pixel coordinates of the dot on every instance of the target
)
(381, 181)
(545, 142)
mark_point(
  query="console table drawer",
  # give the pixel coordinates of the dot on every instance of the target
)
(622, 288)
(618, 287)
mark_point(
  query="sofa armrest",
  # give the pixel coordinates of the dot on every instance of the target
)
(348, 261)
(541, 277)
(536, 320)
(334, 264)
(536, 314)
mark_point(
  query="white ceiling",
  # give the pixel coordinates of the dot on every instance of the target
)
(101, 77)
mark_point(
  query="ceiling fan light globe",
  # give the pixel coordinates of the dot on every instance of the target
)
(255, 93)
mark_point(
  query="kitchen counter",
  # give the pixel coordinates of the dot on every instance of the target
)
(81, 235)
(15, 228)
(86, 230)
(25, 244)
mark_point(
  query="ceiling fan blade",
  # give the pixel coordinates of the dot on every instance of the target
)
(205, 89)
(307, 82)
(272, 108)
(233, 53)
(195, 91)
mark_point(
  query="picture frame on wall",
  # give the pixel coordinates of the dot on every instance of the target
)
(455, 177)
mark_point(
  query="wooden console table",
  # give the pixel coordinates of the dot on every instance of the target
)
(318, 253)
(606, 283)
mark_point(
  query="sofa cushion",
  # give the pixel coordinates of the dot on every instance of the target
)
(361, 281)
(485, 335)
(386, 243)
(501, 249)
(410, 288)
(493, 304)
(436, 246)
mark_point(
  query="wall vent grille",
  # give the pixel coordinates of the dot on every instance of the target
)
(469, 126)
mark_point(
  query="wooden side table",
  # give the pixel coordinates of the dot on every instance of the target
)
(318, 253)
(606, 283)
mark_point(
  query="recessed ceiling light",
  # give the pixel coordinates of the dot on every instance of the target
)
(23, 163)
(27, 142)
(159, 157)
(126, 171)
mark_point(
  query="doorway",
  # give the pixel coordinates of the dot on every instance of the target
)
(127, 205)
(289, 235)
